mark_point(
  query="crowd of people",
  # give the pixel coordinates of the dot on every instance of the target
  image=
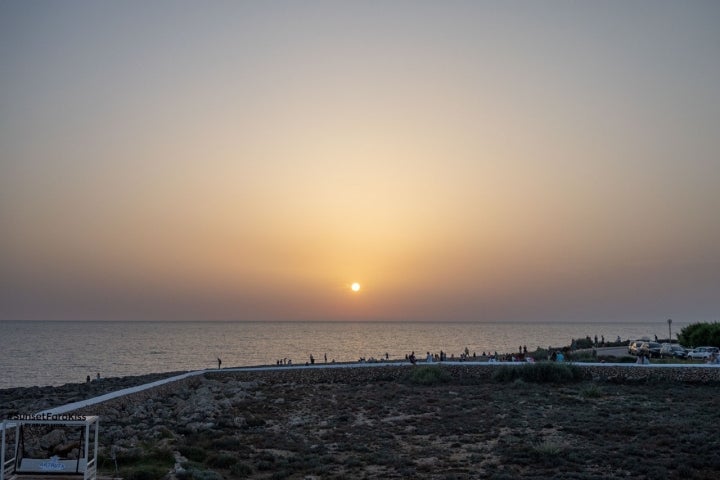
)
(522, 355)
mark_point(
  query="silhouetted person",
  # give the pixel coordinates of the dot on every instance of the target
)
(219, 363)
(412, 358)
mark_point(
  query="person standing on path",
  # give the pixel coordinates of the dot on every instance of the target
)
(219, 363)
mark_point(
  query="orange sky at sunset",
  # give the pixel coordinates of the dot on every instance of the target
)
(489, 161)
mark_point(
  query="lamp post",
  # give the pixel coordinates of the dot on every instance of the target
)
(670, 330)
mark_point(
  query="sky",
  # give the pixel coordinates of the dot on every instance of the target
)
(461, 161)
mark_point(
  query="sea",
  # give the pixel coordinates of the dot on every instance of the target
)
(38, 353)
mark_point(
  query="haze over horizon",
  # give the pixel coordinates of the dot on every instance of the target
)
(489, 161)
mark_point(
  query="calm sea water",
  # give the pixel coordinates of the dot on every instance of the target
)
(55, 353)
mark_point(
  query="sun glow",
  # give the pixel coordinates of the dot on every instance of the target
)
(355, 287)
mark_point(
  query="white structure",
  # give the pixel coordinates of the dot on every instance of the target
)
(17, 467)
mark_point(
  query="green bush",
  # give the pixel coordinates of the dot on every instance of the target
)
(592, 391)
(584, 356)
(198, 474)
(220, 461)
(145, 465)
(547, 448)
(241, 469)
(428, 376)
(254, 422)
(193, 453)
(700, 335)
(143, 473)
(581, 343)
(166, 433)
(541, 372)
(163, 456)
(130, 456)
(226, 442)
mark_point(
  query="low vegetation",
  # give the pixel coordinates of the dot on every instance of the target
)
(541, 372)
(534, 422)
(426, 375)
(142, 463)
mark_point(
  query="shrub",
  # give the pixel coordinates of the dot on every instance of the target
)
(227, 442)
(254, 422)
(428, 376)
(198, 474)
(241, 469)
(700, 334)
(581, 343)
(143, 473)
(584, 356)
(193, 453)
(145, 465)
(164, 432)
(221, 461)
(162, 455)
(547, 448)
(132, 455)
(591, 391)
(541, 372)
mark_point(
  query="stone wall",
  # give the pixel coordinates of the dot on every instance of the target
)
(473, 373)
(632, 372)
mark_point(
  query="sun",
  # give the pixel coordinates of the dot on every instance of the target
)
(355, 287)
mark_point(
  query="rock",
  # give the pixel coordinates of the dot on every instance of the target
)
(35, 452)
(53, 438)
(64, 448)
(200, 426)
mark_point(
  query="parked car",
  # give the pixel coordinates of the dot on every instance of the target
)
(673, 350)
(702, 352)
(651, 349)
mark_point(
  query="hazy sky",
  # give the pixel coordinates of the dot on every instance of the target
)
(490, 161)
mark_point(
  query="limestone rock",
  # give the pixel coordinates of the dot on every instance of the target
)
(53, 438)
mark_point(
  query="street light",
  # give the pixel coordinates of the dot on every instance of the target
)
(669, 330)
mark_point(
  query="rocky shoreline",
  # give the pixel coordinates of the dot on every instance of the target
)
(29, 400)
